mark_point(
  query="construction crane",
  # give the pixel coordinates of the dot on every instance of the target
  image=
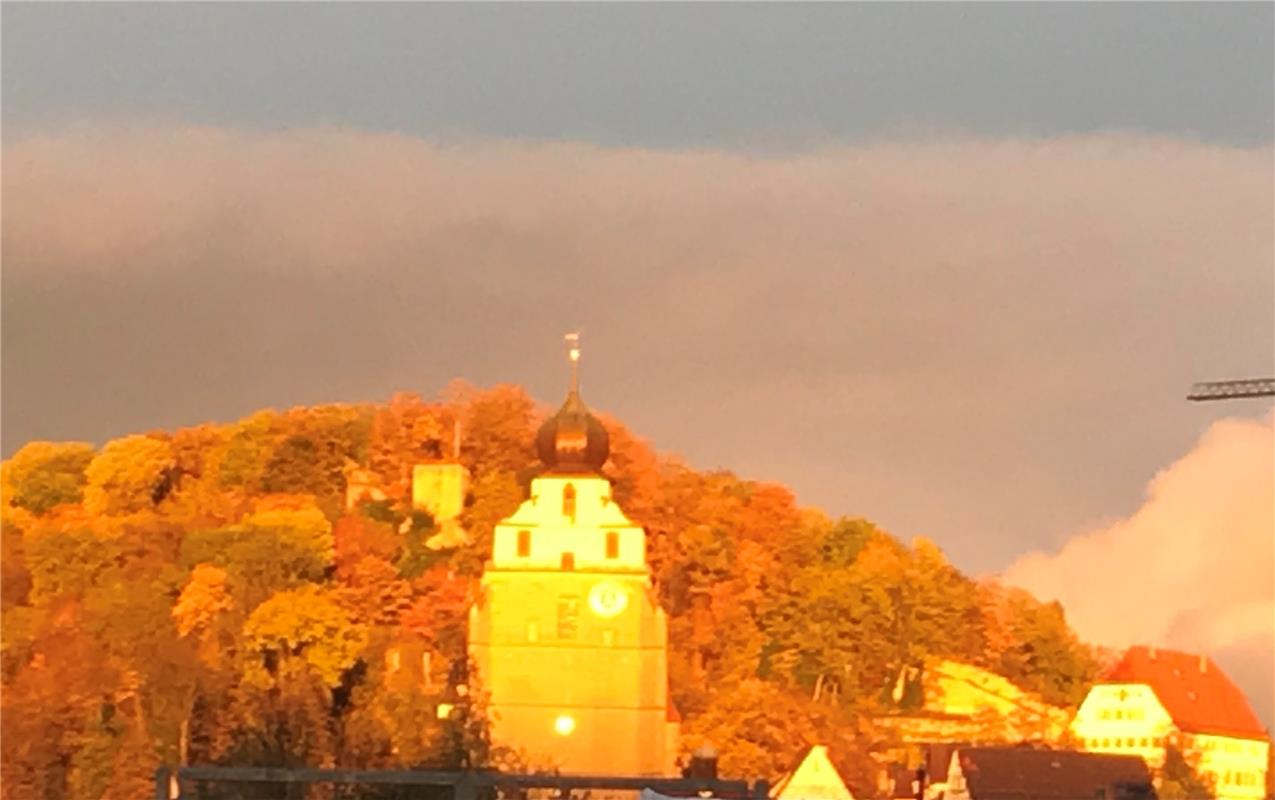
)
(1232, 390)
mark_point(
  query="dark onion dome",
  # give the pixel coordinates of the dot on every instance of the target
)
(573, 440)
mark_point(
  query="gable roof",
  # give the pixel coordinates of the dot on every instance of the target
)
(1017, 772)
(815, 778)
(1196, 693)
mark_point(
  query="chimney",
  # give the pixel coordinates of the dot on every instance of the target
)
(704, 763)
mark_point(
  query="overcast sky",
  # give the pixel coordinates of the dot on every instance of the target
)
(951, 267)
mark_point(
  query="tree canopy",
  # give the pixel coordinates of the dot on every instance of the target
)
(210, 595)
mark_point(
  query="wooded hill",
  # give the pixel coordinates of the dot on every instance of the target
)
(205, 593)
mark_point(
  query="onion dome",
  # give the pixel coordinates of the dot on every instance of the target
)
(573, 440)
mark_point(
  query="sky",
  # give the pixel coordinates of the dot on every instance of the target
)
(950, 267)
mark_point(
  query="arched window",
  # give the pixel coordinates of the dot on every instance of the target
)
(524, 544)
(568, 561)
(613, 544)
(569, 503)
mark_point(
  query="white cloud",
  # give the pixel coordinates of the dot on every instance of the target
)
(1192, 569)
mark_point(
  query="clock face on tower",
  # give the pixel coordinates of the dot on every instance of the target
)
(608, 599)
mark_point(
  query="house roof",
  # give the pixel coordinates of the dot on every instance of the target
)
(1017, 772)
(815, 778)
(1196, 693)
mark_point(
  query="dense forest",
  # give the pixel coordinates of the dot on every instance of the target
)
(206, 595)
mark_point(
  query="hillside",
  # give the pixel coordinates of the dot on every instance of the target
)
(206, 594)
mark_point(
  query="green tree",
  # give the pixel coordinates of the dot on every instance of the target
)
(1041, 653)
(1179, 779)
(248, 450)
(315, 446)
(274, 548)
(304, 625)
(42, 475)
(496, 495)
(128, 475)
(67, 554)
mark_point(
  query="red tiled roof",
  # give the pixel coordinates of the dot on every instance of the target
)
(1195, 692)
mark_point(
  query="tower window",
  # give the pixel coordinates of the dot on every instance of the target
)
(568, 561)
(524, 544)
(569, 503)
(613, 544)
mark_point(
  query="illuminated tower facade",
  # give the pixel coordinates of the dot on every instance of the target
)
(569, 641)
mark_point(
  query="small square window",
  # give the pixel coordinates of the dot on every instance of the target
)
(524, 544)
(613, 544)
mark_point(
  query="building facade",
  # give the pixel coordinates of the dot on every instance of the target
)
(567, 637)
(1154, 699)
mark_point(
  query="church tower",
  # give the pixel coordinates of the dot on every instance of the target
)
(568, 639)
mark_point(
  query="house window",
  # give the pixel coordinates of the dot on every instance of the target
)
(568, 561)
(425, 671)
(524, 544)
(613, 544)
(392, 659)
(568, 616)
(1145, 741)
(569, 503)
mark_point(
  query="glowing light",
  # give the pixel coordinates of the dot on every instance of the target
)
(444, 710)
(564, 725)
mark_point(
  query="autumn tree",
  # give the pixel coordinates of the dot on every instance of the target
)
(405, 432)
(499, 426)
(313, 448)
(42, 475)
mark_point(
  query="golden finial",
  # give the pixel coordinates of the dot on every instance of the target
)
(573, 354)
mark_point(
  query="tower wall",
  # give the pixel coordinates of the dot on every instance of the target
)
(573, 653)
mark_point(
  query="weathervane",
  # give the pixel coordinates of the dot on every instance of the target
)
(573, 353)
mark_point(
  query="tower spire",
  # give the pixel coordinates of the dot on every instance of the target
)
(573, 354)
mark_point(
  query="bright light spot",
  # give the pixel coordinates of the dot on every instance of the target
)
(444, 710)
(564, 724)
